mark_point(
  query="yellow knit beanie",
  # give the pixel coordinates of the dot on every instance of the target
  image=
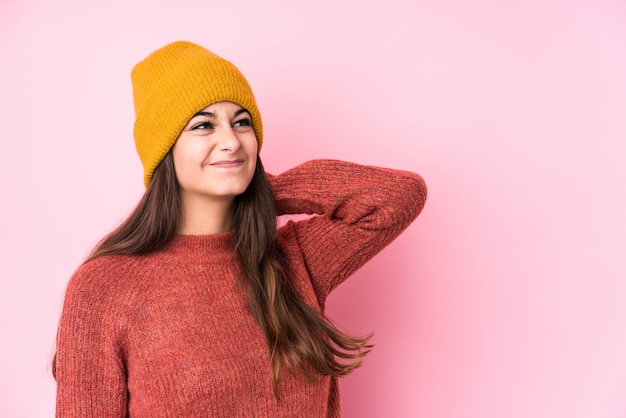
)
(171, 85)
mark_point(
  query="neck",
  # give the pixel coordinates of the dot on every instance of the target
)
(206, 216)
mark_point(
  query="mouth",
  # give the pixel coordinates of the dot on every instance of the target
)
(227, 163)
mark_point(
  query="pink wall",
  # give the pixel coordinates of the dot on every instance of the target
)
(507, 296)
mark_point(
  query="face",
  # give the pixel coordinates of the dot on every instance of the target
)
(215, 154)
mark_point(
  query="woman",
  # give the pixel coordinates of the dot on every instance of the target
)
(196, 305)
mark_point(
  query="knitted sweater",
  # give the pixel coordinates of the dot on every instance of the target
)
(169, 334)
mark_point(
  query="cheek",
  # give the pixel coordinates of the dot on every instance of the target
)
(178, 169)
(183, 162)
(178, 162)
(251, 146)
(252, 151)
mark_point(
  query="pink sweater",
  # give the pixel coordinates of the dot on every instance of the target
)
(169, 334)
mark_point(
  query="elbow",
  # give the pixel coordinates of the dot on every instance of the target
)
(409, 197)
(416, 194)
(402, 200)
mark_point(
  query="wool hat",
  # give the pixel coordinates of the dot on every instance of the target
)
(174, 83)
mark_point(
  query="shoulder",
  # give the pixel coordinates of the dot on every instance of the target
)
(102, 269)
(286, 238)
(104, 281)
(288, 235)
(295, 262)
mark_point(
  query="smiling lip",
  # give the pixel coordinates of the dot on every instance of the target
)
(227, 164)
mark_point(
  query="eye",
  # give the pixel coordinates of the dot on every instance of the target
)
(243, 122)
(202, 125)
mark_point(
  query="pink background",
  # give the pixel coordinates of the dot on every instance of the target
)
(506, 298)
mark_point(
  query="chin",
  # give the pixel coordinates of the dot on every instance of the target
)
(233, 191)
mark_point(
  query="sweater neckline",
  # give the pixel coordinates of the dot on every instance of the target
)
(202, 247)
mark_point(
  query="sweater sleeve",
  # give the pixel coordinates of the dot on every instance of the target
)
(90, 370)
(360, 210)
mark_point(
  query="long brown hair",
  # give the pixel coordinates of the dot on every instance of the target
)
(297, 335)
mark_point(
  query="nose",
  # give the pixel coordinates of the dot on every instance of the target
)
(228, 140)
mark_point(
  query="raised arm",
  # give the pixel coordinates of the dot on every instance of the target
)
(360, 209)
(89, 368)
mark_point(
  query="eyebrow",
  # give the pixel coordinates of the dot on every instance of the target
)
(212, 115)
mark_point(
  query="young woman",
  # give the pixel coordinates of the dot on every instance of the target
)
(197, 305)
